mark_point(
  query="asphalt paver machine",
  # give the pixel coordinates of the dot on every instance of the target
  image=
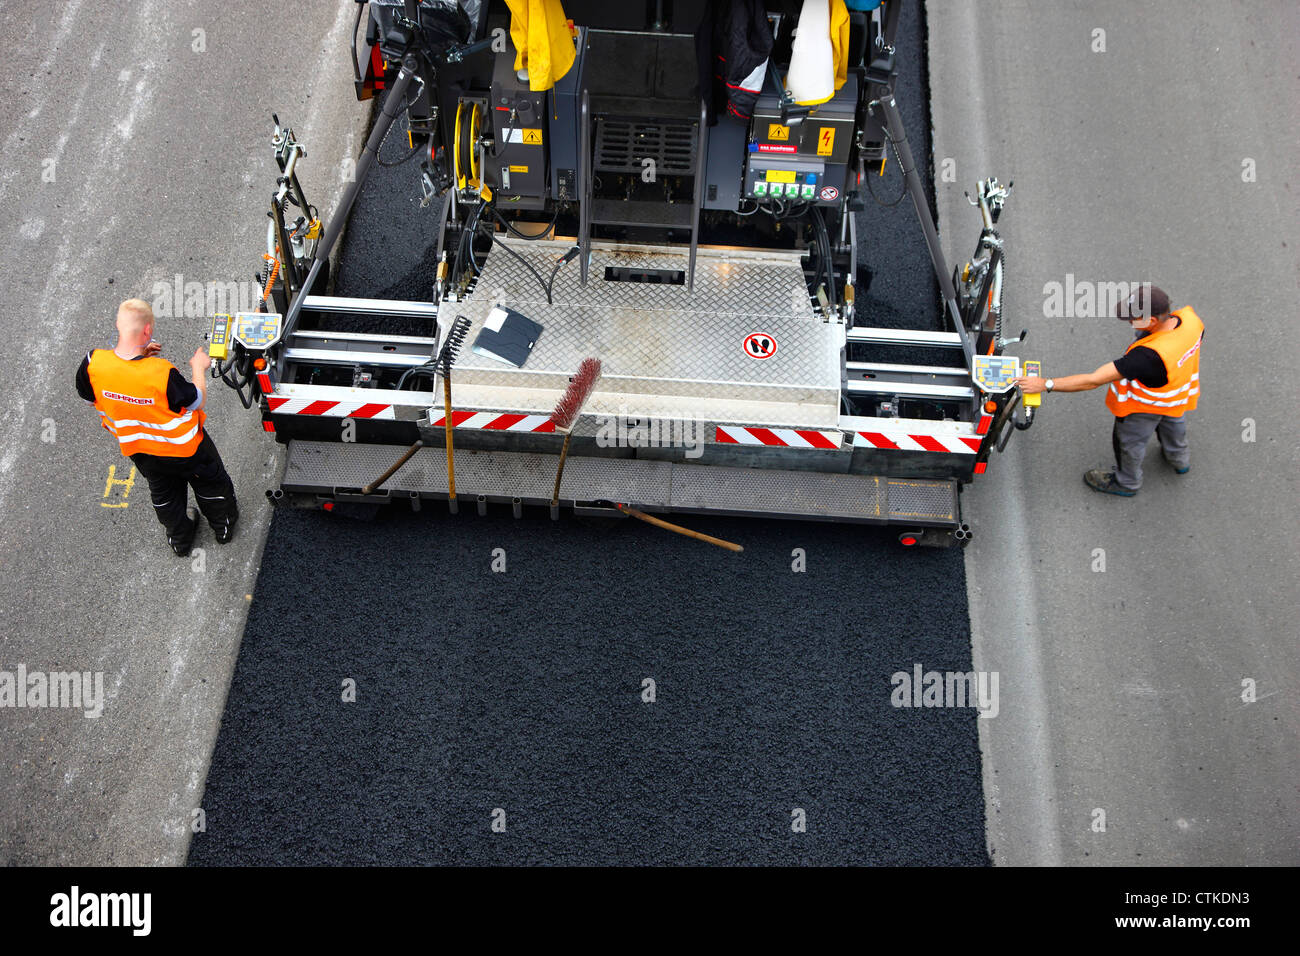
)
(629, 212)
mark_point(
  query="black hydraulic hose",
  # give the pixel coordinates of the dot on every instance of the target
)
(429, 368)
(872, 189)
(527, 265)
(392, 103)
(460, 251)
(824, 244)
(515, 232)
(467, 241)
(228, 375)
(566, 258)
(414, 149)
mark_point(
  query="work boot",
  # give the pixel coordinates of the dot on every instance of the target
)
(224, 532)
(1178, 469)
(182, 542)
(1104, 481)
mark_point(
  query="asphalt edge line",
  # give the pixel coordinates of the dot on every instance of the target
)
(1031, 733)
(275, 471)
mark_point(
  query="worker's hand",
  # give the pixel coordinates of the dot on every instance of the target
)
(153, 348)
(1031, 384)
(199, 361)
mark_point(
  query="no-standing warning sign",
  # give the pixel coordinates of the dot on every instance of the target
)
(760, 345)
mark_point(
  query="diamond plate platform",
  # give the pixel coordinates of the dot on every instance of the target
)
(659, 344)
(330, 468)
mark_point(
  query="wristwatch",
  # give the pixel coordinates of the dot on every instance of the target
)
(1050, 384)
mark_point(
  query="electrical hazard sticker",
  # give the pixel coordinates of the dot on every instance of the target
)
(760, 345)
(829, 194)
(778, 131)
(826, 141)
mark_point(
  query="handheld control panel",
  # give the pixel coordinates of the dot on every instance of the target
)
(219, 337)
(1034, 369)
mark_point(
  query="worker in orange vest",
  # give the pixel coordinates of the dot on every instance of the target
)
(157, 418)
(1151, 388)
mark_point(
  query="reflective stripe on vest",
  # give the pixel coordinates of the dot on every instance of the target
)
(131, 398)
(1180, 352)
(151, 432)
(1142, 396)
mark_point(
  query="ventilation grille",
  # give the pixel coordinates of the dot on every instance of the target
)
(622, 146)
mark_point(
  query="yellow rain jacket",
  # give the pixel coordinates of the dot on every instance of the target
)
(541, 36)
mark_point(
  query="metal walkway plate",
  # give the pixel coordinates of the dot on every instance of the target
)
(330, 468)
(659, 343)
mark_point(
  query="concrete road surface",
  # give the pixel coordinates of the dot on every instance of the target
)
(135, 149)
(1147, 647)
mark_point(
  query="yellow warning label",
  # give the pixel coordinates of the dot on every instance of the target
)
(826, 141)
(532, 137)
(519, 169)
(778, 131)
(780, 175)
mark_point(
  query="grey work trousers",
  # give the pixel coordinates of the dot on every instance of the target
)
(1131, 435)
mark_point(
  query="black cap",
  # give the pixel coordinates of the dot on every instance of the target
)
(1136, 306)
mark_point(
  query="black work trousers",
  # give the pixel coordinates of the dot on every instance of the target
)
(169, 482)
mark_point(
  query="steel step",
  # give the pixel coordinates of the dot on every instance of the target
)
(632, 212)
(874, 336)
(886, 368)
(622, 146)
(912, 389)
(340, 469)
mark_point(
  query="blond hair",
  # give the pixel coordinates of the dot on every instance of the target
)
(132, 316)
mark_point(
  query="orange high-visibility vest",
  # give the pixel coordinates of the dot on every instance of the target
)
(131, 398)
(1180, 350)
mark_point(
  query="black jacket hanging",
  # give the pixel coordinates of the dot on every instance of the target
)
(732, 44)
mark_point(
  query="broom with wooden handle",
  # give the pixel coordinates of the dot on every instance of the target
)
(442, 364)
(566, 414)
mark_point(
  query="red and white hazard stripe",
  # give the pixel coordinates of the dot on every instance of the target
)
(778, 437)
(280, 405)
(495, 421)
(895, 439)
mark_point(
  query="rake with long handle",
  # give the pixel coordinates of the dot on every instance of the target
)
(442, 365)
(451, 460)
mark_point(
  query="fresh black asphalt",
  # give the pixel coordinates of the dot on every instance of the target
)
(518, 696)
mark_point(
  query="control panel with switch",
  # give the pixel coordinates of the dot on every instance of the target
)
(787, 179)
(516, 164)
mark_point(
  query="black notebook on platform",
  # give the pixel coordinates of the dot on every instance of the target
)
(507, 336)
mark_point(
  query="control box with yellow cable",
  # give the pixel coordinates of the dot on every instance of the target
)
(675, 191)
